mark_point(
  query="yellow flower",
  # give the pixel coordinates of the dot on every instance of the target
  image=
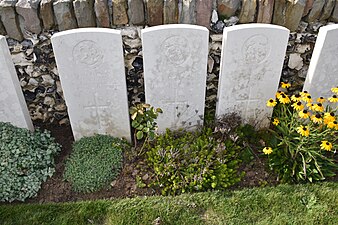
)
(304, 114)
(317, 118)
(310, 106)
(296, 98)
(329, 117)
(284, 99)
(335, 90)
(303, 130)
(267, 150)
(326, 145)
(334, 98)
(271, 102)
(321, 100)
(318, 107)
(285, 85)
(275, 121)
(307, 98)
(298, 106)
(333, 125)
(304, 94)
(278, 93)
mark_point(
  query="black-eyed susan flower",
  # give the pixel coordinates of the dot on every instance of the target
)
(271, 102)
(284, 99)
(285, 85)
(321, 100)
(303, 130)
(304, 94)
(304, 114)
(278, 93)
(335, 90)
(334, 98)
(267, 150)
(298, 106)
(310, 106)
(307, 99)
(296, 98)
(275, 121)
(326, 145)
(318, 107)
(329, 117)
(317, 118)
(333, 125)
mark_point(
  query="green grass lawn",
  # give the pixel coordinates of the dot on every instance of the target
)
(285, 204)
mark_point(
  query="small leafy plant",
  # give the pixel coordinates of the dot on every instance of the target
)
(193, 161)
(143, 121)
(26, 160)
(94, 162)
(303, 138)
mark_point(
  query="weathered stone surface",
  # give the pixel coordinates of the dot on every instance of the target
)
(2, 28)
(155, 12)
(28, 10)
(293, 14)
(265, 11)
(316, 11)
(47, 14)
(288, 13)
(13, 108)
(227, 8)
(327, 10)
(102, 13)
(175, 67)
(323, 70)
(120, 16)
(10, 20)
(136, 12)
(308, 7)
(295, 61)
(203, 12)
(64, 14)
(84, 13)
(251, 65)
(91, 69)
(334, 16)
(248, 11)
(188, 13)
(170, 11)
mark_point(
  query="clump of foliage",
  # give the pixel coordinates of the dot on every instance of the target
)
(303, 139)
(193, 161)
(26, 160)
(94, 162)
(143, 120)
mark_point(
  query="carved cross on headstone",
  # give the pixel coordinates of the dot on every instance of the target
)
(98, 109)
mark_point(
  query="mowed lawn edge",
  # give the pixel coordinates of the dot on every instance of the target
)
(284, 204)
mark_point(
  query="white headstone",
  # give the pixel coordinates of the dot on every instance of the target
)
(251, 65)
(175, 69)
(13, 107)
(323, 70)
(91, 67)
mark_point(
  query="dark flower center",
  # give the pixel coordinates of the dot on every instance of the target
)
(317, 116)
(320, 104)
(309, 97)
(334, 96)
(271, 100)
(305, 111)
(331, 114)
(299, 103)
(297, 95)
(304, 129)
(305, 92)
(335, 122)
(327, 143)
(283, 96)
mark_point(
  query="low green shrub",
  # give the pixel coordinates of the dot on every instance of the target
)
(193, 161)
(26, 160)
(94, 162)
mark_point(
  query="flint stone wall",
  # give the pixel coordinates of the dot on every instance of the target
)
(35, 64)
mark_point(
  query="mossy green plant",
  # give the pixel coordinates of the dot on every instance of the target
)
(94, 162)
